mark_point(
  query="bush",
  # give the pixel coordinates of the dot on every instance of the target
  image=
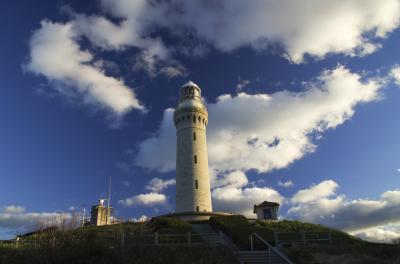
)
(170, 225)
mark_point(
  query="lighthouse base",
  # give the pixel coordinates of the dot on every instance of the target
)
(196, 216)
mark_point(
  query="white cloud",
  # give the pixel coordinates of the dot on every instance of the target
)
(173, 71)
(241, 200)
(142, 218)
(233, 179)
(322, 190)
(146, 199)
(354, 26)
(158, 185)
(15, 220)
(395, 74)
(241, 85)
(55, 54)
(13, 209)
(338, 211)
(72, 208)
(285, 184)
(158, 151)
(266, 132)
(383, 234)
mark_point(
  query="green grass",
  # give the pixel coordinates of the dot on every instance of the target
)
(104, 244)
(95, 254)
(239, 229)
(361, 253)
(119, 244)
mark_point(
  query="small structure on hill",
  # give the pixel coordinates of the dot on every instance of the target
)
(266, 211)
(100, 214)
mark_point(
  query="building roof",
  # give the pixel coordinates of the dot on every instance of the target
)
(190, 83)
(266, 203)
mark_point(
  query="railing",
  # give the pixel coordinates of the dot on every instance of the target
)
(269, 248)
(122, 239)
(303, 238)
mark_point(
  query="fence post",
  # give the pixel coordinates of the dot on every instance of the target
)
(188, 237)
(156, 238)
(16, 242)
(276, 238)
(303, 235)
(251, 242)
(330, 237)
(123, 239)
(221, 237)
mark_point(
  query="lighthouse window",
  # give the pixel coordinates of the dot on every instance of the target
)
(194, 136)
(194, 119)
(195, 159)
(199, 119)
(197, 208)
(196, 183)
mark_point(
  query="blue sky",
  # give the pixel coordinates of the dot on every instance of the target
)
(311, 100)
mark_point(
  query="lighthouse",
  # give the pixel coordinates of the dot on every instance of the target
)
(192, 176)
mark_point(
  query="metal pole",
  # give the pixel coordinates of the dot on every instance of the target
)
(188, 237)
(221, 238)
(109, 194)
(156, 238)
(83, 216)
(251, 242)
(303, 234)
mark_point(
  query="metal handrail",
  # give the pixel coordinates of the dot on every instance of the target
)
(270, 247)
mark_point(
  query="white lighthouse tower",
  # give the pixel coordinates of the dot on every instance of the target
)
(192, 177)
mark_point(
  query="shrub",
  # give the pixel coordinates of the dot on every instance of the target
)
(170, 224)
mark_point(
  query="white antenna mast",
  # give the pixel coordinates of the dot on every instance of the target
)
(109, 194)
(83, 216)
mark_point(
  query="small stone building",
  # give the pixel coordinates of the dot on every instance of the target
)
(100, 214)
(266, 211)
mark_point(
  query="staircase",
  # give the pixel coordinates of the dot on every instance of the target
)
(270, 255)
(210, 237)
(265, 257)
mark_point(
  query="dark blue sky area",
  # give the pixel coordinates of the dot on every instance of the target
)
(56, 153)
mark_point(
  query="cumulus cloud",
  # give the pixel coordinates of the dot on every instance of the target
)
(13, 209)
(353, 26)
(241, 85)
(315, 192)
(15, 220)
(266, 132)
(383, 234)
(55, 54)
(142, 218)
(158, 185)
(285, 184)
(241, 200)
(146, 199)
(395, 74)
(338, 211)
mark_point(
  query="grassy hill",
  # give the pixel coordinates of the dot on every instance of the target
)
(134, 243)
(343, 248)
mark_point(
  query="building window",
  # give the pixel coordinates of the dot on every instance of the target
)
(267, 213)
(194, 119)
(197, 208)
(194, 136)
(195, 159)
(196, 183)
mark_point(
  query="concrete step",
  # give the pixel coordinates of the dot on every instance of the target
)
(254, 257)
